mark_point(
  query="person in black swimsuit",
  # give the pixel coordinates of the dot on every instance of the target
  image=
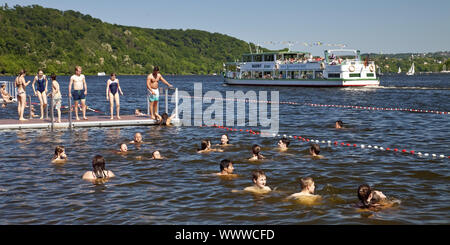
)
(112, 94)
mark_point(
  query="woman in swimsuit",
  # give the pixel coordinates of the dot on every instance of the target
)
(112, 94)
(99, 172)
(41, 92)
(21, 85)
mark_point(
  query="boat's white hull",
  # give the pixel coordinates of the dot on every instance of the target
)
(304, 83)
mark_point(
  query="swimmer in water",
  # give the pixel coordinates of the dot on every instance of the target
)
(60, 155)
(372, 199)
(256, 149)
(206, 147)
(138, 113)
(137, 139)
(259, 180)
(307, 192)
(226, 168)
(339, 124)
(165, 119)
(99, 171)
(156, 155)
(224, 140)
(314, 151)
(283, 144)
(123, 149)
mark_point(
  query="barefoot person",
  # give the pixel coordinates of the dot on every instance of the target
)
(79, 91)
(21, 85)
(56, 96)
(41, 90)
(7, 98)
(152, 86)
(112, 94)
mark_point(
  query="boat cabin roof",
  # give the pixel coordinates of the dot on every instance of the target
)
(277, 52)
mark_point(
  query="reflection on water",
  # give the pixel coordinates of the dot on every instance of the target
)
(182, 189)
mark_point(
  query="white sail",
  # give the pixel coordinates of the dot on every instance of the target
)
(411, 70)
(399, 70)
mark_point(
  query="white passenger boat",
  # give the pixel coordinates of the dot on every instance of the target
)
(339, 68)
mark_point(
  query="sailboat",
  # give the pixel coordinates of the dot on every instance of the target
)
(411, 70)
(399, 70)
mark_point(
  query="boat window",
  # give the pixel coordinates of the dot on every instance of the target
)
(333, 75)
(355, 75)
(257, 58)
(247, 58)
(370, 75)
(268, 57)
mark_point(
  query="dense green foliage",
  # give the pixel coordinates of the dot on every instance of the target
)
(430, 62)
(34, 37)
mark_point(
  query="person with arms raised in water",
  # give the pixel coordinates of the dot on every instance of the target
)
(21, 85)
(152, 86)
(79, 91)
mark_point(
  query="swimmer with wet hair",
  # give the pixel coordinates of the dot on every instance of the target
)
(123, 149)
(226, 168)
(283, 144)
(137, 139)
(138, 113)
(156, 155)
(99, 171)
(307, 192)
(206, 147)
(339, 124)
(256, 150)
(259, 180)
(224, 140)
(60, 155)
(370, 199)
(314, 151)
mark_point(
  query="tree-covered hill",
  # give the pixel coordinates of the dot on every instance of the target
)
(34, 37)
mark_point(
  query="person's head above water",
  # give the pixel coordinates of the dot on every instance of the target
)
(259, 178)
(284, 143)
(339, 124)
(226, 167)
(256, 149)
(156, 155)
(137, 138)
(307, 184)
(123, 148)
(364, 192)
(224, 140)
(314, 150)
(60, 152)
(98, 165)
(206, 144)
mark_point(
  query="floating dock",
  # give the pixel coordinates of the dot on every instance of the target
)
(93, 121)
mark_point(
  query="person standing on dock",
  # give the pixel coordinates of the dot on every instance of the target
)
(56, 96)
(41, 88)
(152, 87)
(79, 91)
(112, 94)
(21, 85)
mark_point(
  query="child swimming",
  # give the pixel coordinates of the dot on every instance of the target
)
(339, 124)
(314, 151)
(256, 150)
(99, 171)
(283, 144)
(206, 147)
(123, 149)
(60, 155)
(372, 199)
(137, 139)
(224, 140)
(226, 168)
(156, 155)
(259, 180)
(306, 195)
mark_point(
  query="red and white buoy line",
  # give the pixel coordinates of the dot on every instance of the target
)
(336, 143)
(324, 105)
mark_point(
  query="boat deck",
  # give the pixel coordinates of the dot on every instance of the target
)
(93, 121)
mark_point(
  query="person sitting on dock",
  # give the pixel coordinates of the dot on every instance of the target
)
(152, 86)
(283, 144)
(99, 172)
(137, 139)
(156, 155)
(259, 180)
(60, 155)
(79, 91)
(56, 97)
(314, 150)
(112, 94)
(339, 124)
(165, 119)
(206, 147)
(307, 192)
(226, 168)
(7, 98)
(256, 150)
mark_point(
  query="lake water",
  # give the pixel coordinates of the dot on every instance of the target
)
(182, 189)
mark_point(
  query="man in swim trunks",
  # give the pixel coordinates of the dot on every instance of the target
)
(152, 87)
(79, 91)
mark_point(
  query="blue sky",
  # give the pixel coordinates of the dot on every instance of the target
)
(371, 26)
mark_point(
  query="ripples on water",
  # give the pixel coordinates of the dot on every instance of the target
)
(182, 190)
